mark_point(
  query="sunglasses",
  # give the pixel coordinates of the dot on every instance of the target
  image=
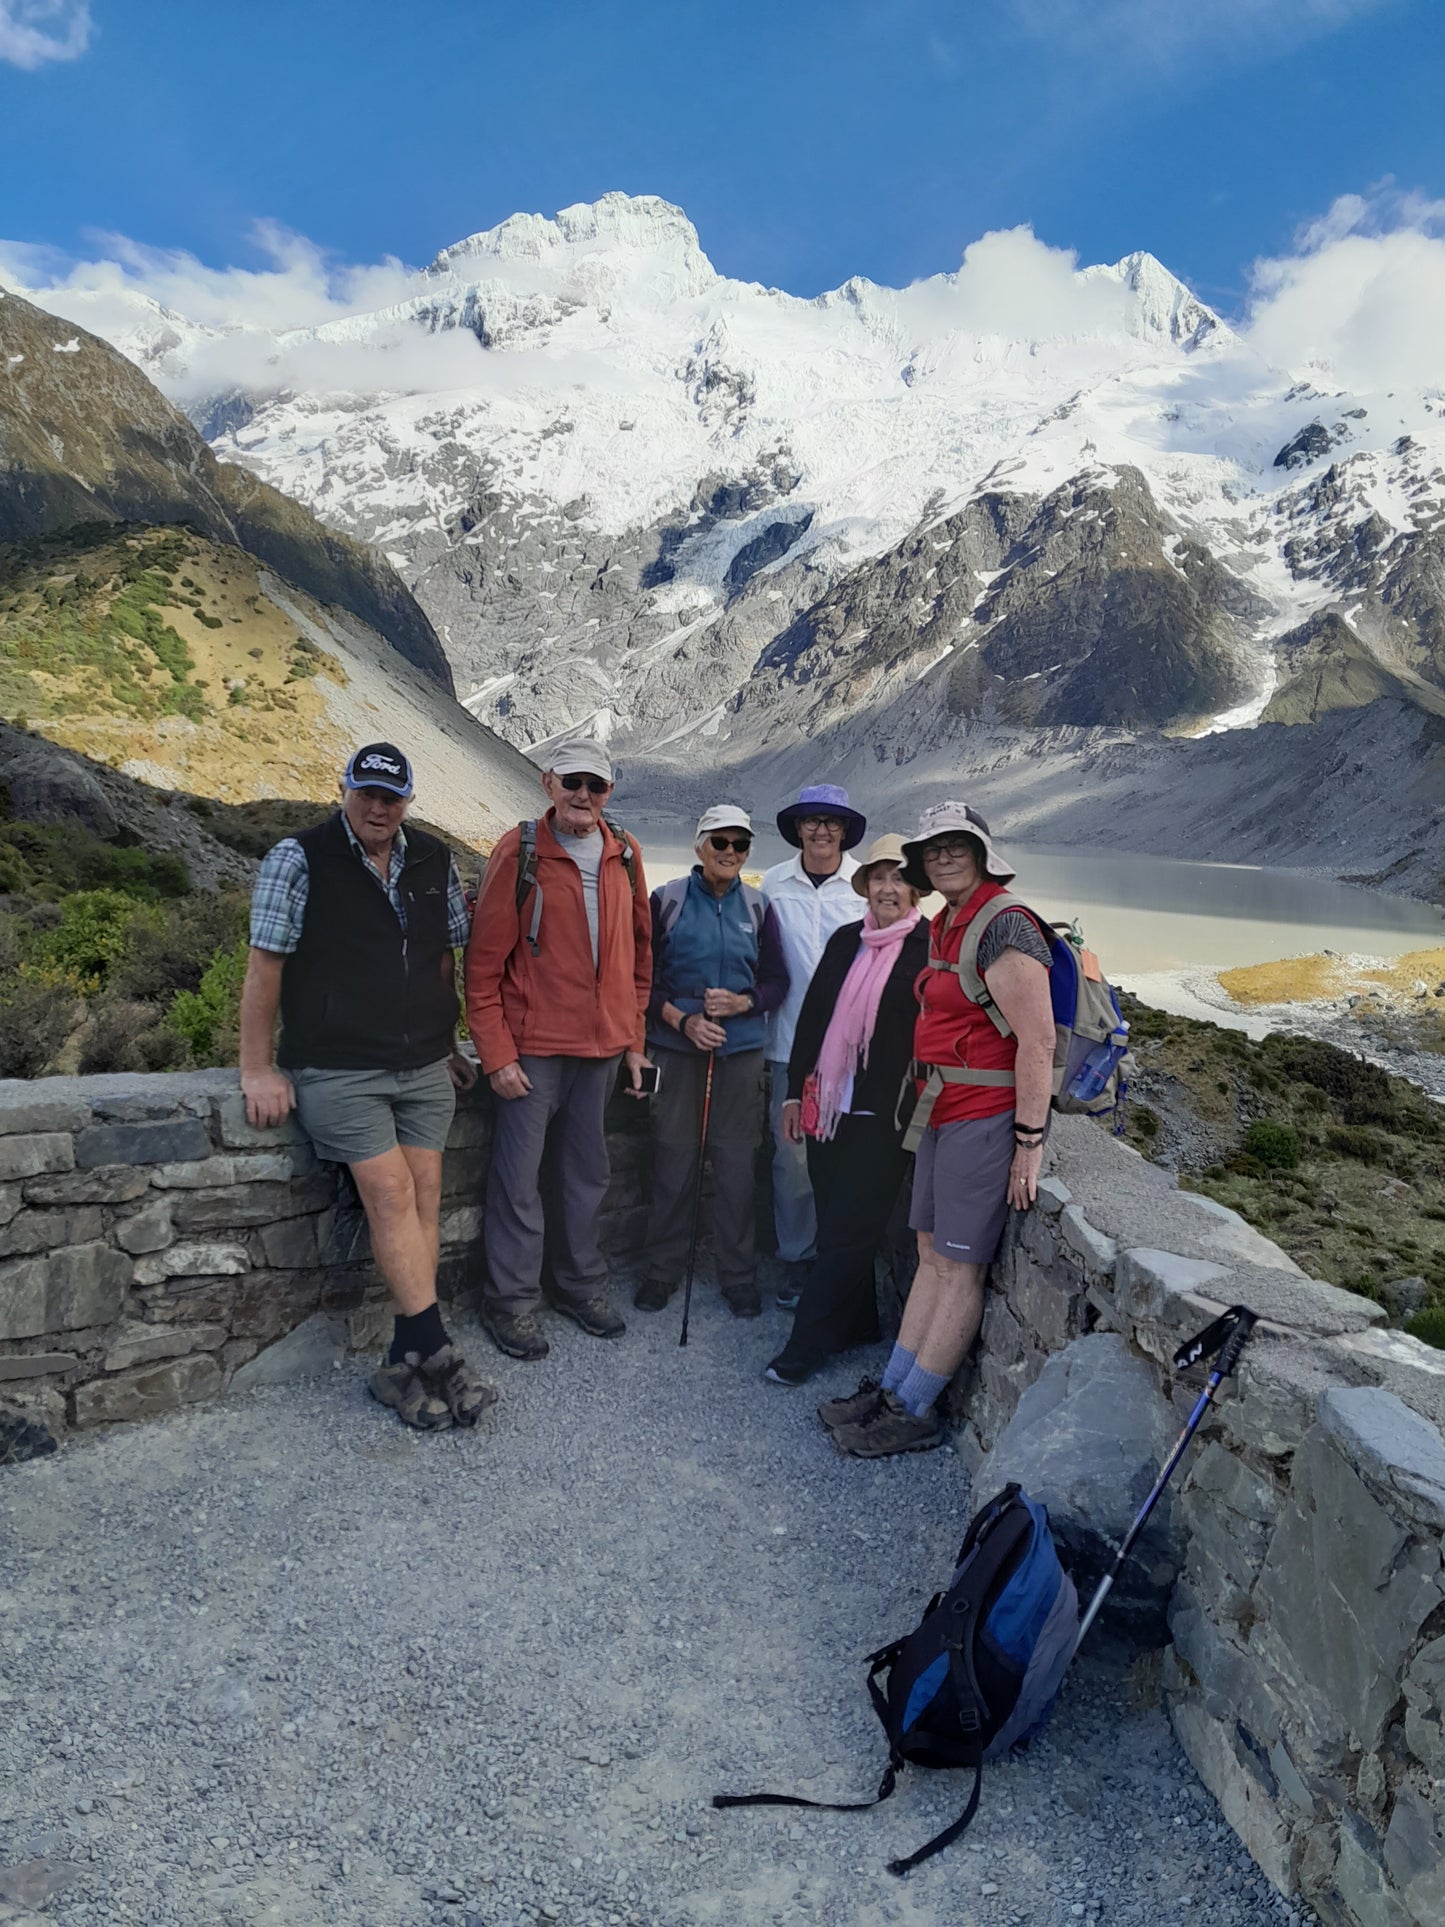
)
(742, 844)
(595, 785)
(821, 823)
(953, 847)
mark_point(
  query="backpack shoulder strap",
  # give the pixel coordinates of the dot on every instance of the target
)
(670, 898)
(527, 878)
(758, 908)
(629, 855)
(966, 969)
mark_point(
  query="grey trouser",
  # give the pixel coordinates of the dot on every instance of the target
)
(734, 1131)
(794, 1219)
(570, 1094)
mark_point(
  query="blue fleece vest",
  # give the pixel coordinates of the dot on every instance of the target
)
(712, 946)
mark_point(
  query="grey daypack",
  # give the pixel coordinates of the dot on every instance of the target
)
(527, 870)
(1091, 1037)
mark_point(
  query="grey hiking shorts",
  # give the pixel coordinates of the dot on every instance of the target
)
(960, 1186)
(351, 1116)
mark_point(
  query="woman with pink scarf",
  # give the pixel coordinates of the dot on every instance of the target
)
(851, 1052)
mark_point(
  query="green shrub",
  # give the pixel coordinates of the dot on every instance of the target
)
(174, 950)
(209, 1017)
(122, 1035)
(92, 935)
(1429, 1325)
(1357, 1141)
(37, 1015)
(1275, 1146)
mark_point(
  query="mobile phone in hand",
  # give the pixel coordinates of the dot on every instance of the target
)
(650, 1075)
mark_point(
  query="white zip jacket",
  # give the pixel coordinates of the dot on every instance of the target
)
(807, 917)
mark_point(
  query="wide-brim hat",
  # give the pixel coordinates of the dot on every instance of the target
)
(574, 756)
(883, 849)
(952, 819)
(821, 799)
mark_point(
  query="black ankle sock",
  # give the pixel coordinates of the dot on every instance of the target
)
(422, 1333)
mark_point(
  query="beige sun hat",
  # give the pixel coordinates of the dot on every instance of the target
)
(951, 819)
(883, 849)
(721, 816)
(575, 756)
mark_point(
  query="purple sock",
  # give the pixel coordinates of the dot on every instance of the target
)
(897, 1368)
(919, 1390)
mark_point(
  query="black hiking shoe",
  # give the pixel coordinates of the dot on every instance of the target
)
(855, 1407)
(890, 1430)
(743, 1301)
(653, 1295)
(595, 1316)
(787, 1371)
(795, 1276)
(516, 1333)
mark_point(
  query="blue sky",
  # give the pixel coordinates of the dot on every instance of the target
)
(808, 141)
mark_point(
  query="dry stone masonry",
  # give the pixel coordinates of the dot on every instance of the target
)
(156, 1251)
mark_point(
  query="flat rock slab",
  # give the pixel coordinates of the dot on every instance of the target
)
(1088, 1438)
(277, 1660)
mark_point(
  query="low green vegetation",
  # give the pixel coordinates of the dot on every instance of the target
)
(1341, 1164)
(109, 961)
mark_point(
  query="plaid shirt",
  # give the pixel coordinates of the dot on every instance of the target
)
(278, 902)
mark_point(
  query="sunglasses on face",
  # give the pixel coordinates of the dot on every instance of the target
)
(742, 844)
(594, 785)
(956, 847)
(820, 823)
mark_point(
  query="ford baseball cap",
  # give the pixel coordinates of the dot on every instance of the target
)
(379, 766)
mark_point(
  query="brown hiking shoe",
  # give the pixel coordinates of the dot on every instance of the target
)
(594, 1315)
(743, 1301)
(465, 1395)
(891, 1429)
(516, 1333)
(404, 1388)
(855, 1407)
(652, 1295)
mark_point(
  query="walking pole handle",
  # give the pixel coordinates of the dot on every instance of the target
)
(1230, 1351)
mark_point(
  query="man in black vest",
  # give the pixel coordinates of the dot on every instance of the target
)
(353, 929)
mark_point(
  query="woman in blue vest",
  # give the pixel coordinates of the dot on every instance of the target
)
(717, 971)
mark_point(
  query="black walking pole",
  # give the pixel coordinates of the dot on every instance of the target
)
(697, 1199)
(1223, 1341)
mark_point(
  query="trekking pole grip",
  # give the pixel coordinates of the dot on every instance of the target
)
(1233, 1346)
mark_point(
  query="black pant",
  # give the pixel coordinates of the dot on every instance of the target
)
(856, 1179)
(735, 1127)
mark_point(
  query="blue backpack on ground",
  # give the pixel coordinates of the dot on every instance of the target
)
(979, 1672)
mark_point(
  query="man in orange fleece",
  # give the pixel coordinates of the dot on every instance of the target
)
(558, 975)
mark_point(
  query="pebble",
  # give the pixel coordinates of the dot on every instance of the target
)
(441, 1679)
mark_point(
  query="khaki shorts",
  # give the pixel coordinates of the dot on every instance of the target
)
(960, 1186)
(351, 1116)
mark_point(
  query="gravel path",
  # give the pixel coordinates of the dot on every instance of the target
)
(278, 1660)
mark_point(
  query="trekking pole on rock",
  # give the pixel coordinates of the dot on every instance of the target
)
(697, 1198)
(1223, 1341)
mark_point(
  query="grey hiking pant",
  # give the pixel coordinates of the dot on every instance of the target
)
(735, 1127)
(570, 1095)
(794, 1216)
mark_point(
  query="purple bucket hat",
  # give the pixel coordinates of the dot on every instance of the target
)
(821, 799)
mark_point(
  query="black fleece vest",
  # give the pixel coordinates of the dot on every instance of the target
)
(359, 993)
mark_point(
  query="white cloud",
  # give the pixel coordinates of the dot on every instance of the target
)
(1013, 284)
(1163, 33)
(35, 31)
(1361, 300)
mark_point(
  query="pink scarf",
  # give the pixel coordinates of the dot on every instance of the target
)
(850, 1028)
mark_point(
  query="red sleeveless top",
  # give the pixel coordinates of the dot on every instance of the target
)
(952, 1029)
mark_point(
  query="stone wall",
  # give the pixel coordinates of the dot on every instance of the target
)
(1299, 1561)
(156, 1250)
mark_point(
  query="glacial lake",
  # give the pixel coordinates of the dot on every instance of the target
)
(1147, 914)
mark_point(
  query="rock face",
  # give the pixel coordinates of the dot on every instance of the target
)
(1087, 1438)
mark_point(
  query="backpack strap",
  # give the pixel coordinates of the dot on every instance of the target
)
(935, 1076)
(670, 898)
(527, 870)
(878, 1662)
(966, 970)
(757, 908)
(527, 877)
(949, 1834)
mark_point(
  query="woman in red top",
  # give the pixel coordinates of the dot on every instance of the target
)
(982, 1141)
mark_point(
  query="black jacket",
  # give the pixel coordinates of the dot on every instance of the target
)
(359, 992)
(891, 1050)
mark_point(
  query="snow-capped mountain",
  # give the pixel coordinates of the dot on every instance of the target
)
(636, 495)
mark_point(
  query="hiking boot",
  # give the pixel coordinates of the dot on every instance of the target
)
(595, 1316)
(891, 1429)
(516, 1333)
(453, 1380)
(787, 1371)
(406, 1390)
(652, 1295)
(743, 1301)
(855, 1407)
